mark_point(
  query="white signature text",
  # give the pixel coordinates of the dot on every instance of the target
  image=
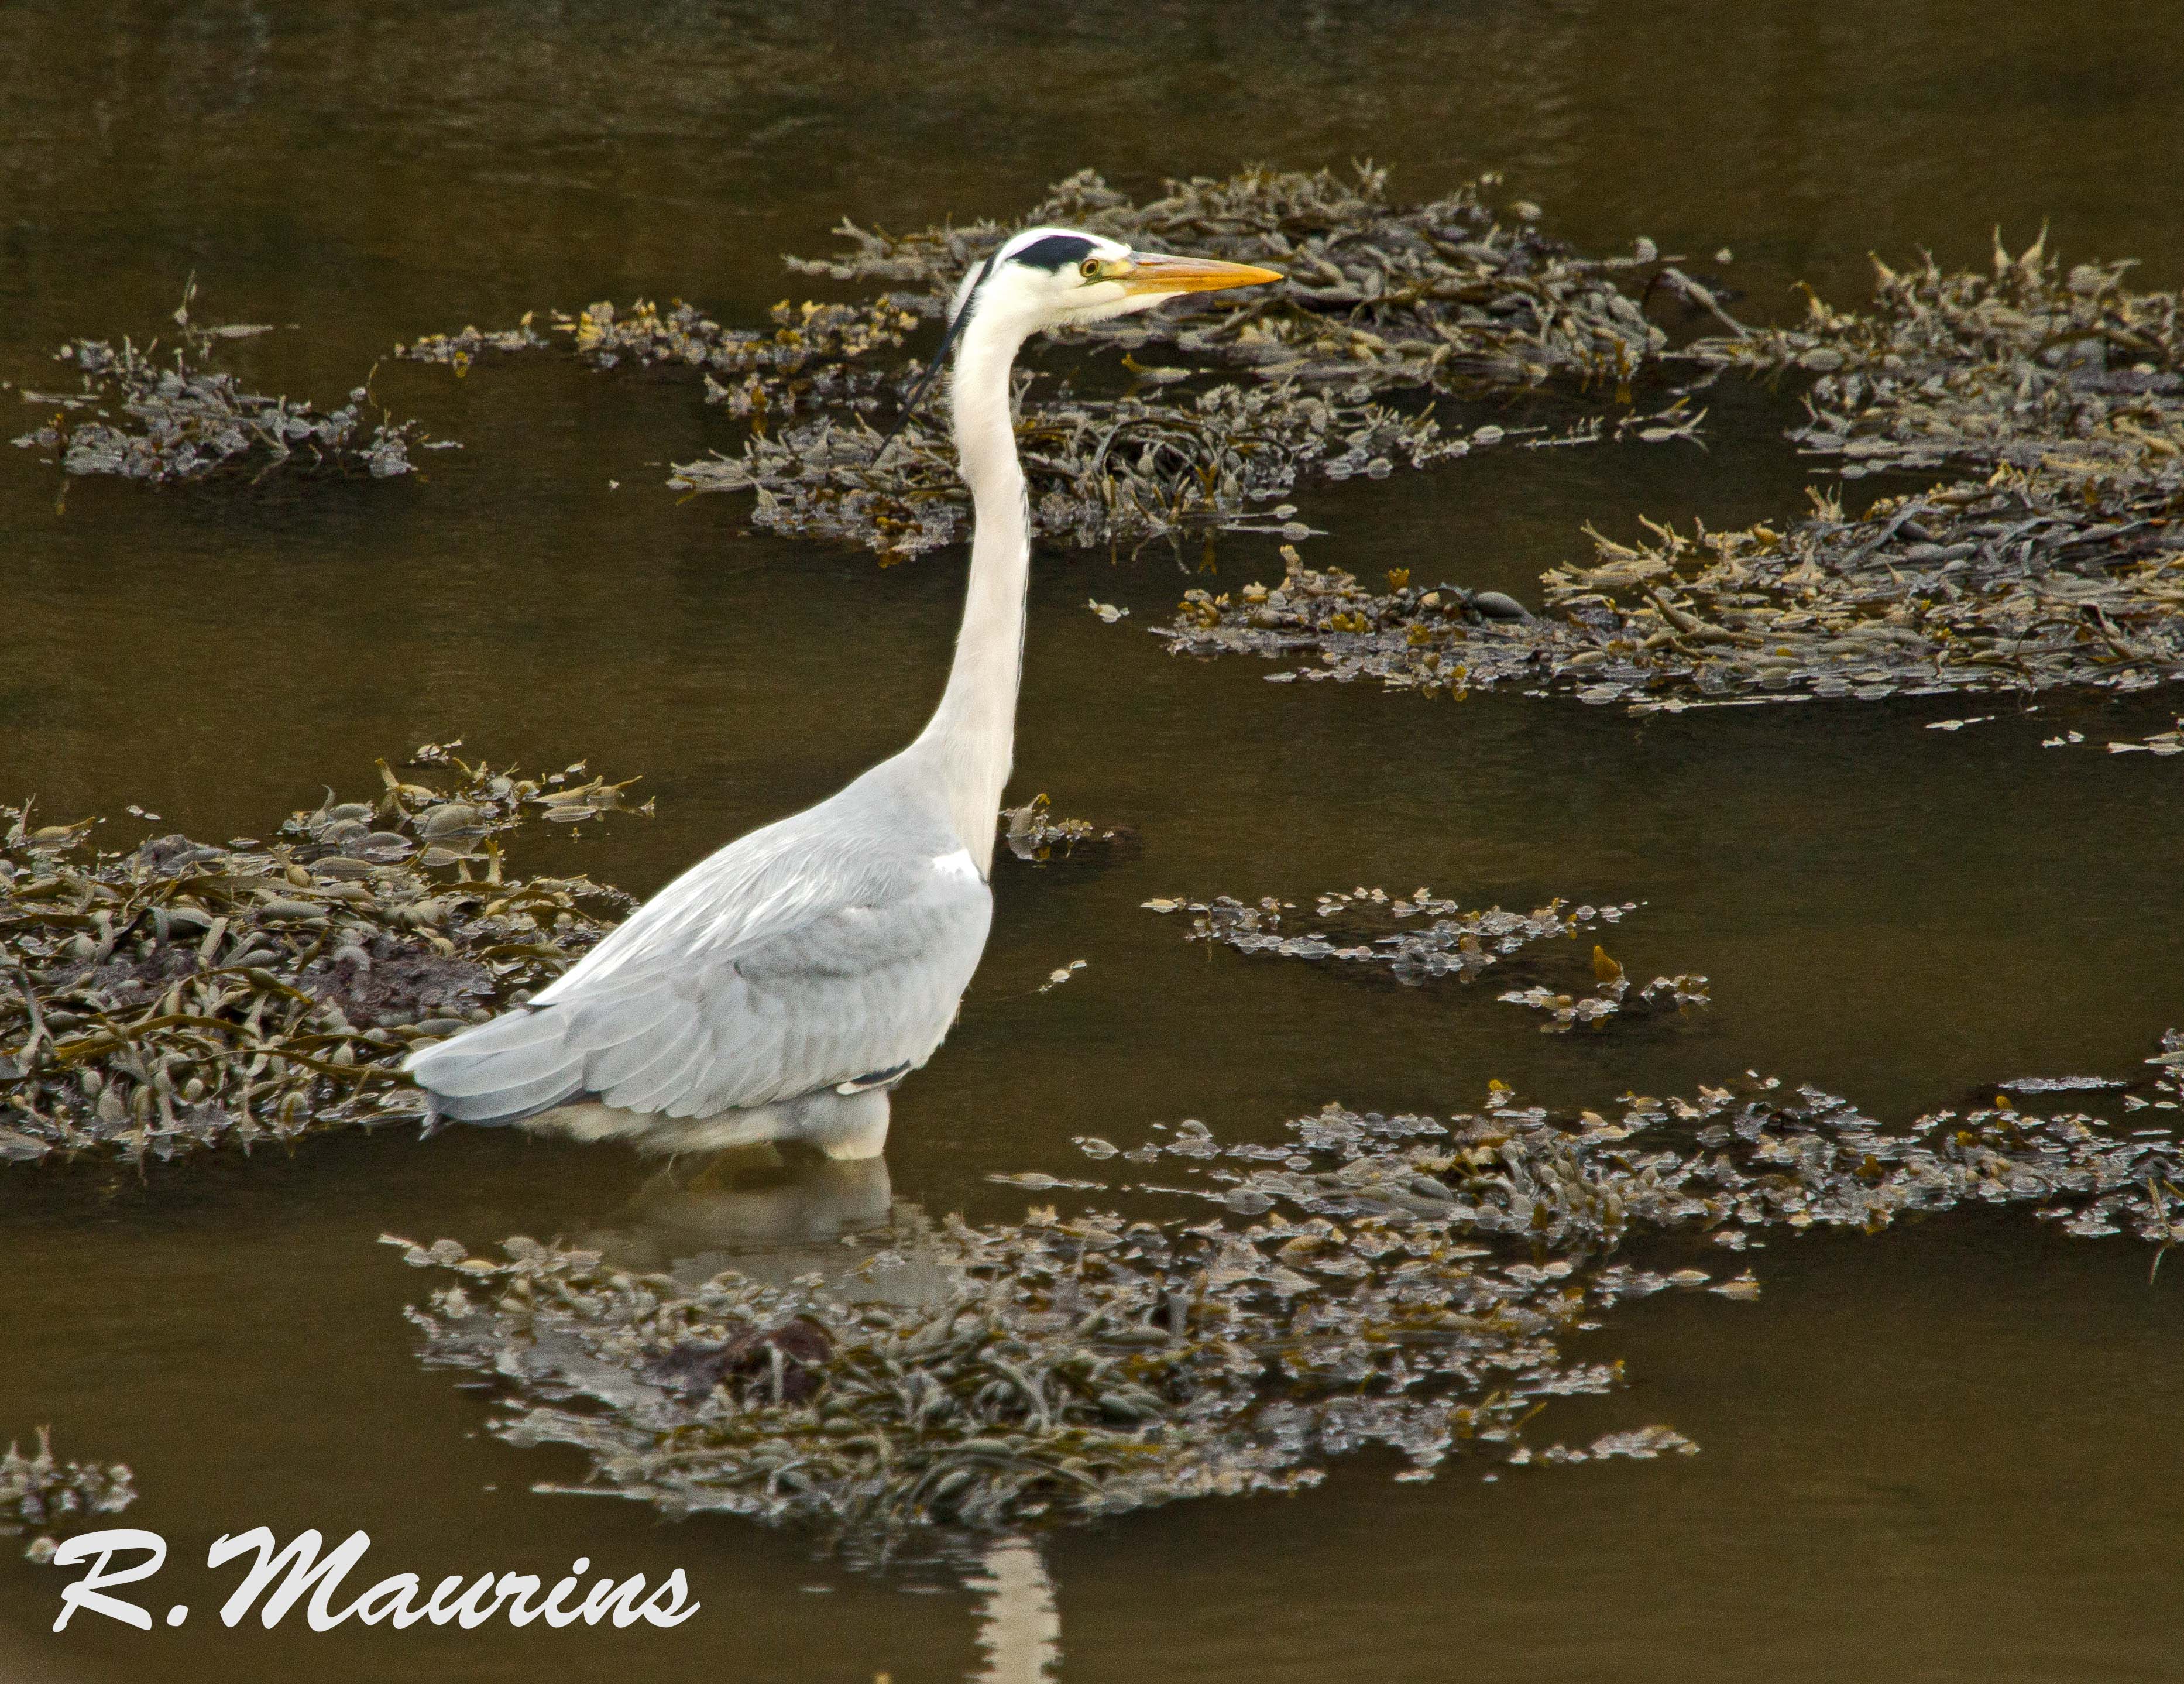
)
(283, 1576)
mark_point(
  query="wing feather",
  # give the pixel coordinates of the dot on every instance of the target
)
(641, 1048)
(514, 1048)
(656, 1087)
(809, 953)
(524, 1099)
(614, 1015)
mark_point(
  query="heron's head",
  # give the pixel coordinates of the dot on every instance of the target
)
(1057, 277)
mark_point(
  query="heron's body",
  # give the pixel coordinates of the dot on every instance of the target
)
(778, 987)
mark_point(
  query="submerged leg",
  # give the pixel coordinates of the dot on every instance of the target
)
(847, 1125)
(853, 1125)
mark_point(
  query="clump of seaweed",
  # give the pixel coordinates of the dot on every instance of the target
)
(2022, 582)
(1446, 297)
(1757, 1155)
(2058, 565)
(1371, 927)
(1612, 995)
(1370, 1278)
(185, 422)
(1115, 473)
(2016, 583)
(1036, 836)
(2160, 743)
(40, 1490)
(815, 355)
(2075, 374)
(1057, 1369)
(1450, 295)
(180, 993)
(461, 351)
(1445, 639)
(178, 420)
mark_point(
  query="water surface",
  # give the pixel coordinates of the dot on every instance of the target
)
(1946, 1453)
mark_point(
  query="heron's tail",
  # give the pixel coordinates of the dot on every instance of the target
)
(501, 1072)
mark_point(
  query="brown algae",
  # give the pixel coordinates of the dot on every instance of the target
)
(1035, 835)
(1420, 936)
(1384, 300)
(2014, 583)
(40, 1492)
(140, 415)
(180, 993)
(1056, 1370)
(2061, 562)
(2026, 366)
(1397, 1281)
(1450, 296)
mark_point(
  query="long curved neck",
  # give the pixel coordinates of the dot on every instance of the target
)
(972, 734)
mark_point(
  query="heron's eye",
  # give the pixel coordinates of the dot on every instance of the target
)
(1089, 269)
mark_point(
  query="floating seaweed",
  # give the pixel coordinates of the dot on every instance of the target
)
(180, 421)
(1034, 835)
(180, 993)
(40, 1490)
(2016, 583)
(2023, 582)
(1449, 296)
(461, 350)
(1446, 297)
(1371, 927)
(1383, 1279)
(1115, 473)
(813, 356)
(2072, 374)
(1062, 1369)
(2160, 743)
(1612, 995)
(1758, 1155)
(2063, 564)
(1442, 640)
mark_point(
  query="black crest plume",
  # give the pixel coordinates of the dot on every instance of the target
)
(917, 392)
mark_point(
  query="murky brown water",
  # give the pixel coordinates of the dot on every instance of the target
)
(1947, 1452)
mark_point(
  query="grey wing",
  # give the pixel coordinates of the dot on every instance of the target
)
(798, 958)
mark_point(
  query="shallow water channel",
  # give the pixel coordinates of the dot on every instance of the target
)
(1947, 1452)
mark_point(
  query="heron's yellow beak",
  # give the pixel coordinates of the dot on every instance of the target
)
(1152, 272)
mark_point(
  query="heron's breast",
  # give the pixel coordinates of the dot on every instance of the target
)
(958, 866)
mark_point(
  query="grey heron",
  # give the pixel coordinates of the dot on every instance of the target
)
(779, 988)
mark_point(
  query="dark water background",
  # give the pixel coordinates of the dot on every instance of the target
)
(1947, 1452)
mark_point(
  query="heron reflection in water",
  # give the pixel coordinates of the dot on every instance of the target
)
(821, 958)
(774, 1215)
(782, 1216)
